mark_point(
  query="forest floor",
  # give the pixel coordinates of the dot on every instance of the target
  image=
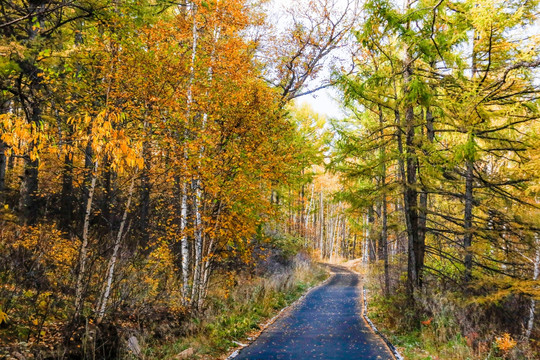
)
(326, 324)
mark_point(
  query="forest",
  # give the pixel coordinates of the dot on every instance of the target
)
(164, 188)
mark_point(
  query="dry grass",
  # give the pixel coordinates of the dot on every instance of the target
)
(449, 327)
(235, 314)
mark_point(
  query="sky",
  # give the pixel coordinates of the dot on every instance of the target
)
(323, 101)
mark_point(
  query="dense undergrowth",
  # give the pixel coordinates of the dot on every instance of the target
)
(234, 317)
(148, 326)
(445, 323)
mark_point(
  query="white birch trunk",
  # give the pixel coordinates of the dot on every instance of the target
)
(83, 255)
(536, 273)
(198, 246)
(334, 246)
(321, 234)
(207, 262)
(307, 222)
(201, 269)
(329, 228)
(114, 257)
(184, 200)
(367, 241)
(184, 243)
(330, 240)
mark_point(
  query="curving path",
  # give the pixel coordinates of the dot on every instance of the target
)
(326, 324)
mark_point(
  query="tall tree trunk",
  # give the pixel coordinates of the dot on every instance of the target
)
(378, 211)
(185, 254)
(66, 197)
(302, 210)
(365, 235)
(197, 271)
(31, 105)
(28, 191)
(145, 188)
(354, 246)
(207, 261)
(410, 194)
(83, 254)
(4, 109)
(384, 210)
(467, 220)
(345, 238)
(334, 239)
(423, 204)
(536, 274)
(114, 257)
(184, 185)
(308, 232)
(289, 215)
(371, 246)
(384, 236)
(3, 166)
(29, 186)
(321, 225)
(203, 251)
(408, 172)
(88, 173)
(469, 181)
(108, 204)
(410, 224)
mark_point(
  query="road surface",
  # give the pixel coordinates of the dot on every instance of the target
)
(326, 324)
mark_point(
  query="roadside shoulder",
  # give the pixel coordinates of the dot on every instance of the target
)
(364, 313)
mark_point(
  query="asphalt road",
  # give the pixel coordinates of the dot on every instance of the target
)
(326, 324)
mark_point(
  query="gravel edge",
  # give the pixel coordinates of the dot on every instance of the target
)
(391, 346)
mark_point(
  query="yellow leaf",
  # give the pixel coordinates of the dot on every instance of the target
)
(3, 317)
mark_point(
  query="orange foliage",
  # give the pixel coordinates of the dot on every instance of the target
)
(505, 342)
